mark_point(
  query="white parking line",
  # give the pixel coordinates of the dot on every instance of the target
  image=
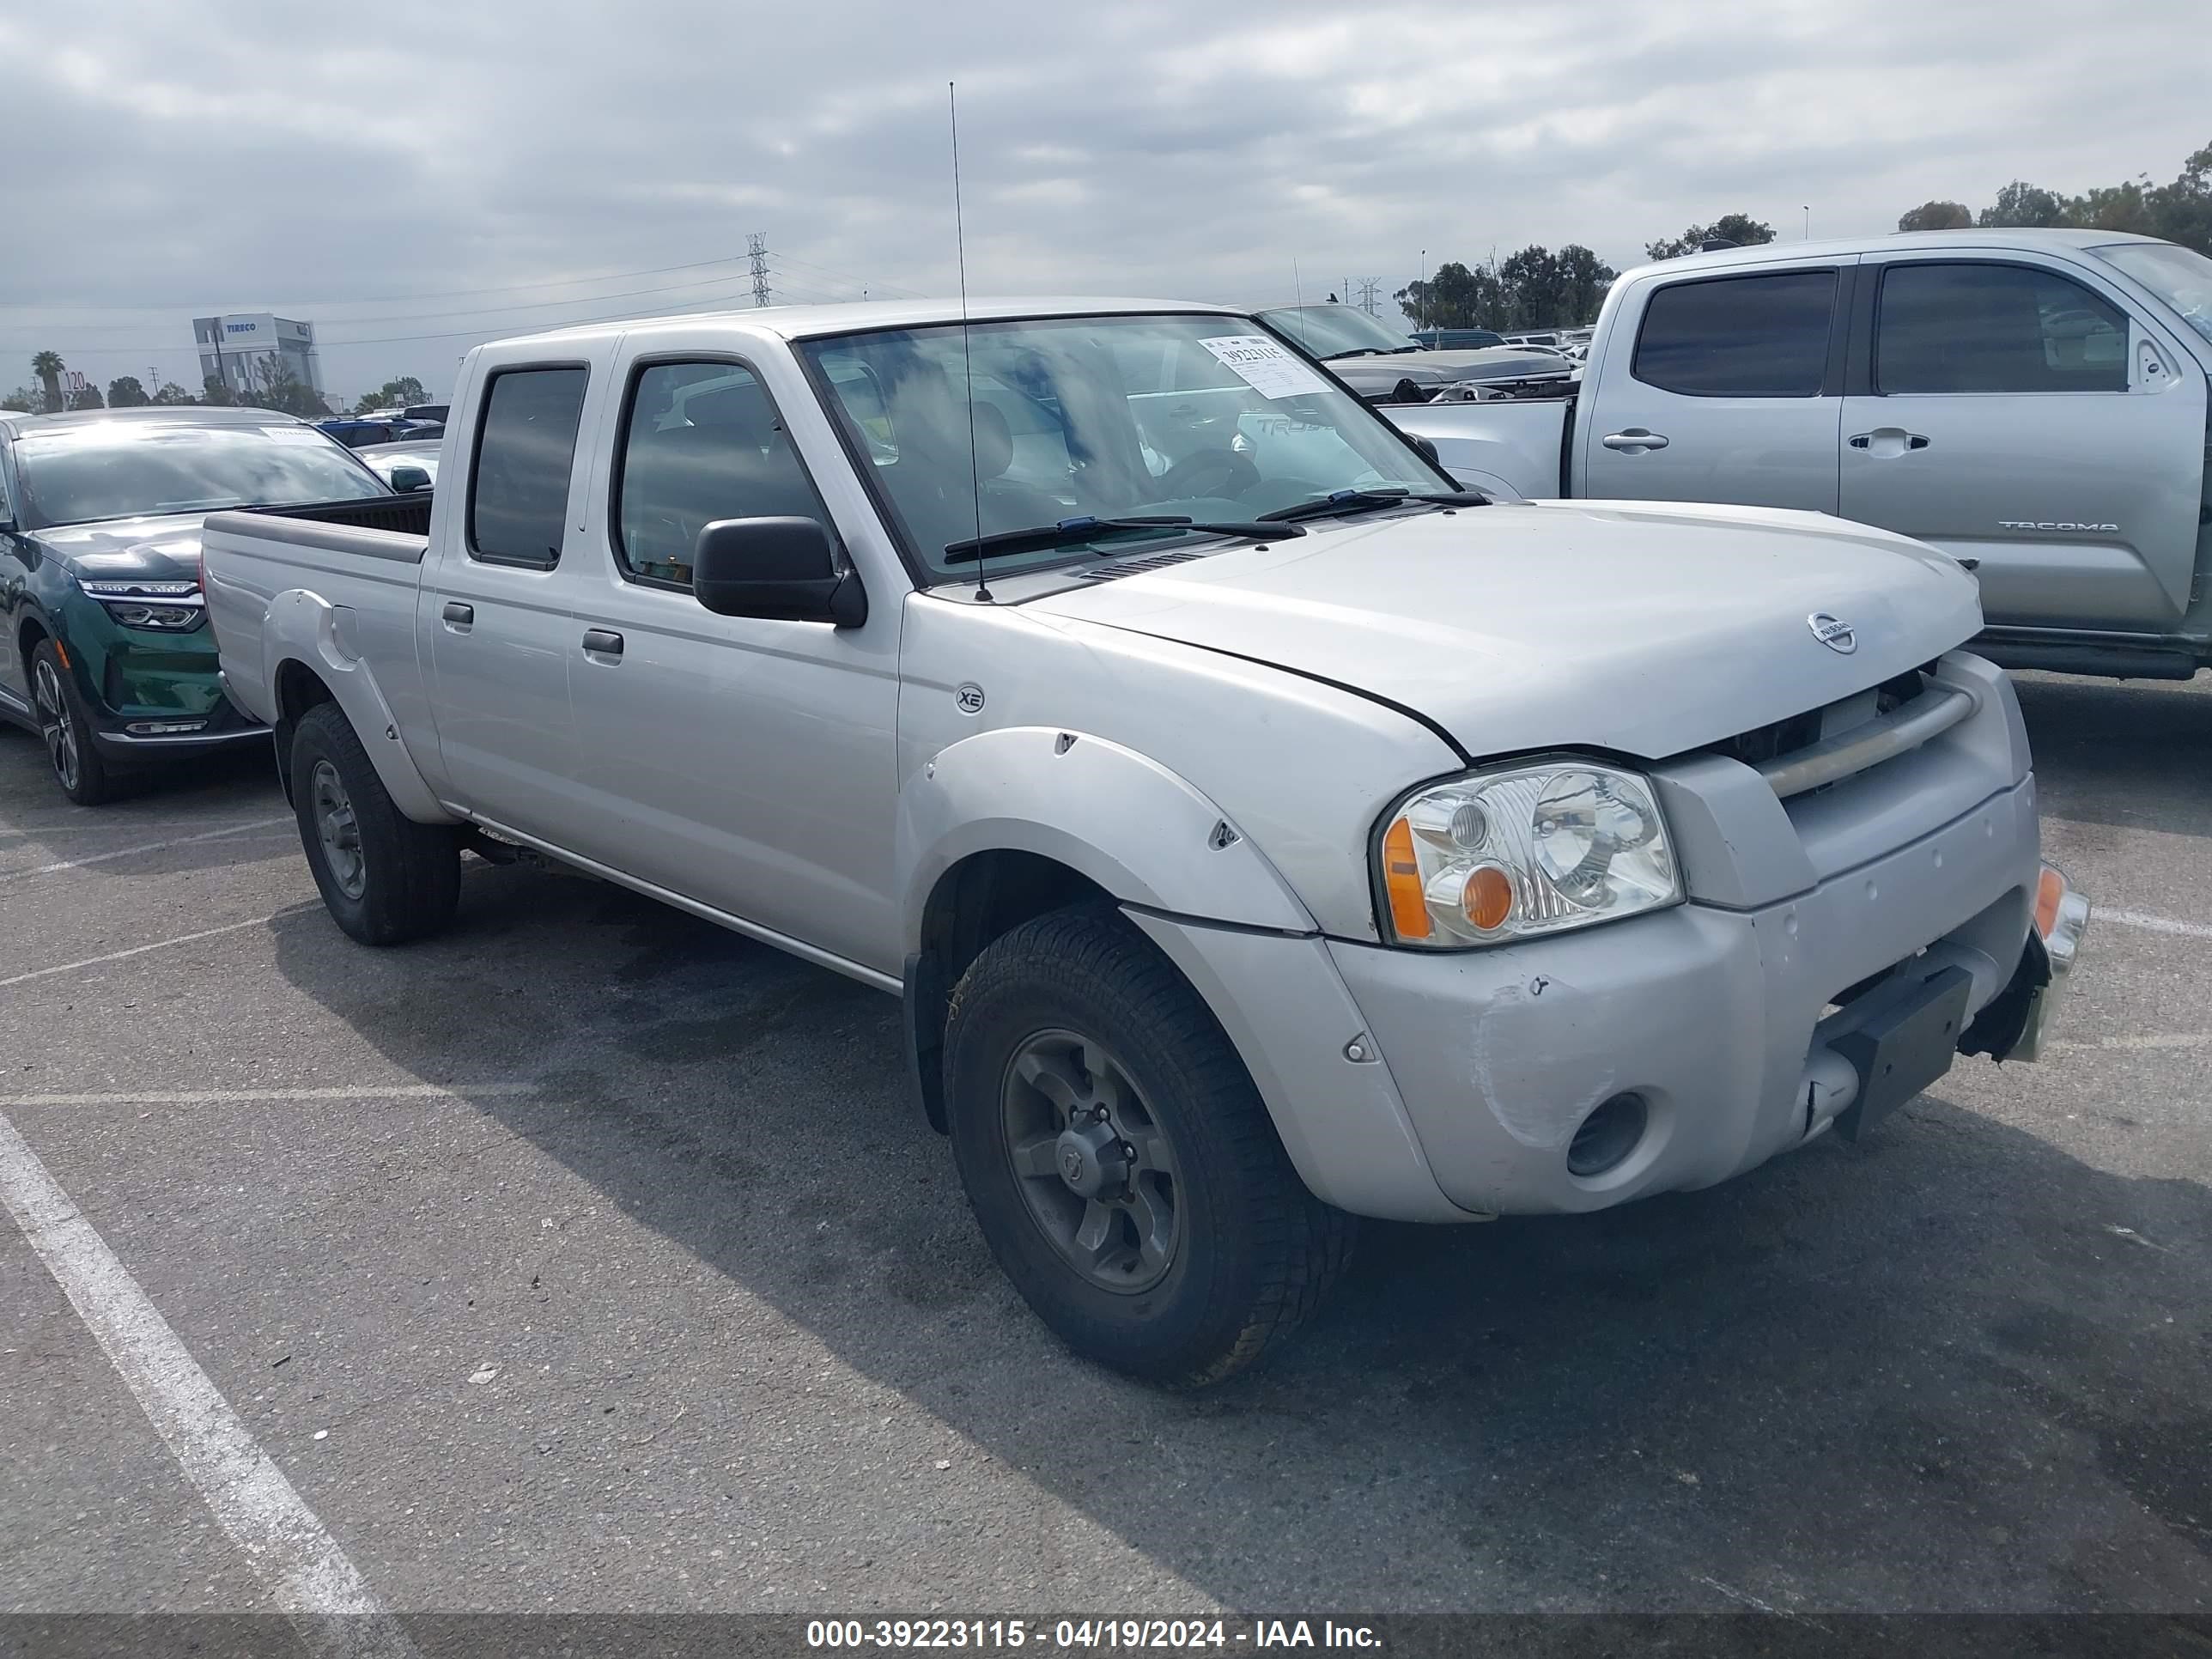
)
(158, 944)
(2148, 1040)
(307, 1574)
(2152, 924)
(144, 846)
(249, 1097)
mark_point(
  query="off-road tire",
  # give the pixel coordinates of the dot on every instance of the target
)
(1256, 1250)
(410, 877)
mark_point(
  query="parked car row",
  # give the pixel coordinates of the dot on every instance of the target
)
(1384, 366)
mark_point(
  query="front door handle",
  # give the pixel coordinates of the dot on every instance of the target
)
(1888, 440)
(1634, 442)
(603, 642)
(459, 615)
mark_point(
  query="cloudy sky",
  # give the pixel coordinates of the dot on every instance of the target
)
(414, 176)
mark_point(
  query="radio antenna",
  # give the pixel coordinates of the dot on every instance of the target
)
(967, 362)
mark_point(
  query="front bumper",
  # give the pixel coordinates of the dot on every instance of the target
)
(153, 695)
(1422, 1086)
(143, 739)
(1725, 1024)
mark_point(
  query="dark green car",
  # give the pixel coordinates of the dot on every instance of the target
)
(106, 652)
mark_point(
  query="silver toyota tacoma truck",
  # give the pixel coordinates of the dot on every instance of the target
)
(1259, 831)
(2032, 402)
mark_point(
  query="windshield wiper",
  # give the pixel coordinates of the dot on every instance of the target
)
(1345, 501)
(1368, 351)
(1068, 532)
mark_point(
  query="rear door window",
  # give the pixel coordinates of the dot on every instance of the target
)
(526, 447)
(1739, 336)
(1980, 326)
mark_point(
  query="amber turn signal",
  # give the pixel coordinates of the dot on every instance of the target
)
(1401, 880)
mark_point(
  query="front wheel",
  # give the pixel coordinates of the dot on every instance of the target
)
(1121, 1163)
(73, 758)
(385, 879)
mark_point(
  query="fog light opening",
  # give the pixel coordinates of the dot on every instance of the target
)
(1607, 1136)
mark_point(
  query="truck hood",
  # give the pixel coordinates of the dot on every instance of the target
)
(162, 549)
(1646, 629)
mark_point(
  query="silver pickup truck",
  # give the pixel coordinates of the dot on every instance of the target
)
(2030, 401)
(1259, 831)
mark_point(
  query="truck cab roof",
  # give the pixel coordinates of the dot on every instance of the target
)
(813, 322)
(2013, 238)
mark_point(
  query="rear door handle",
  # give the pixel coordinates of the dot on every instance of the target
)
(603, 642)
(1888, 440)
(1634, 440)
(459, 615)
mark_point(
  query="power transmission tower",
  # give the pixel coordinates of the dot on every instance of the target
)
(1368, 285)
(756, 245)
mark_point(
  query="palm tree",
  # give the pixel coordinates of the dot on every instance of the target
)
(48, 367)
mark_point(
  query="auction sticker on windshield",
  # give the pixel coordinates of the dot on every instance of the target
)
(1263, 365)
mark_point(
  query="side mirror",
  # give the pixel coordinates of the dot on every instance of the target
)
(1428, 448)
(783, 569)
(404, 478)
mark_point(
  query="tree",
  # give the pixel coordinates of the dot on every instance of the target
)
(171, 394)
(1937, 215)
(48, 367)
(214, 392)
(24, 400)
(1584, 278)
(2121, 207)
(88, 398)
(276, 387)
(1738, 228)
(2022, 203)
(2181, 211)
(1532, 289)
(124, 392)
(393, 394)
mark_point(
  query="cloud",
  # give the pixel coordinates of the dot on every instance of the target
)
(399, 177)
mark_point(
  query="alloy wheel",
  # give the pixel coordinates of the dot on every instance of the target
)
(55, 725)
(1095, 1169)
(339, 830)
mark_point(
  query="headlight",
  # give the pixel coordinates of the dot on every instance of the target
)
(166, 607)
(1515, 852)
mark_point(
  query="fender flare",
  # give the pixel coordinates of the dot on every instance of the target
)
(303, 627)
(1139, 831)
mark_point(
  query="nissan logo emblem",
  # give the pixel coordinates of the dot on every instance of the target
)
(1833, 632)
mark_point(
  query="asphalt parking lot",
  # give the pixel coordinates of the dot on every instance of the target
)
(591, 1259)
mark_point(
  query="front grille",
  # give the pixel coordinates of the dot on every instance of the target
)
(1777, 741)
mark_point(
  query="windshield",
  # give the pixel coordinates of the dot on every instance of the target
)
(1327, 330)
(2179, 276)
(1106, 417)
(118, 470)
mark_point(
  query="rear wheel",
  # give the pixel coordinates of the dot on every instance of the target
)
(385, 879)
(65, 727)
(1119, 1162)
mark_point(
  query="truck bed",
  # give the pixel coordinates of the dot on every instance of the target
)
(406, 515)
